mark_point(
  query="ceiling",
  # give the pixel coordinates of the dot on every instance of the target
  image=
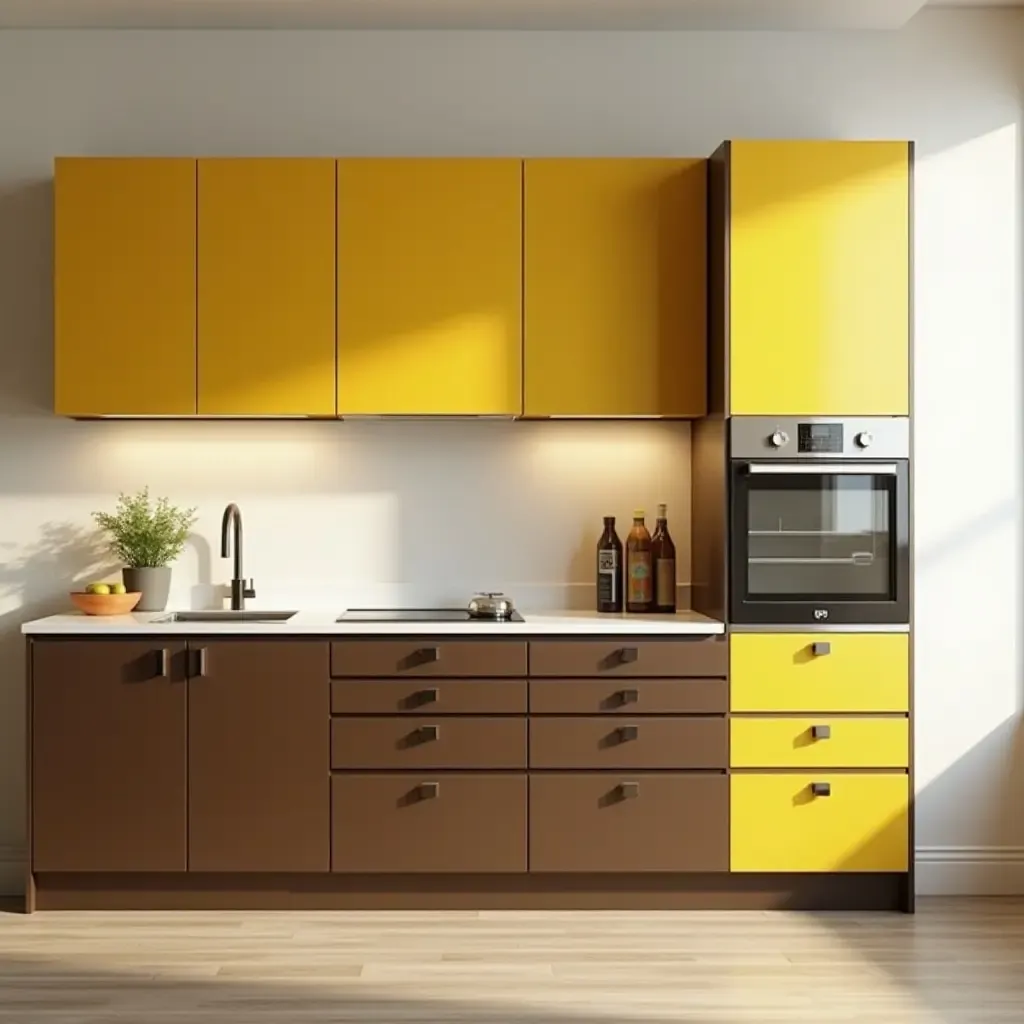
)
(483, 14)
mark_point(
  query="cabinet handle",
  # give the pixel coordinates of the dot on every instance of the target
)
(201, 662)
(628, 696)
(628, 732)
(429, 790)
(429, 732)
(821, 789)
(821, 732)
(628, 654)
(163, 662)
(821, 648)
(430, 696)
(430, 653)
(629, 790)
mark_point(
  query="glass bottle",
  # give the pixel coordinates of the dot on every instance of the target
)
(609, 569)
(663, 557)
(639, 578)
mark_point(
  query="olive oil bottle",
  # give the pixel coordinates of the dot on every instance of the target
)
(663, 557)
(639, 574)
(609, 569)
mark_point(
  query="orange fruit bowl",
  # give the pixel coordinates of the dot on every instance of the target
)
(105, 604)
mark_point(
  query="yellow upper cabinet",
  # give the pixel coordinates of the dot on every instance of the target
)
(266, 287)
(430, 286)
(819, 254)
(615, 279)
(124, 287)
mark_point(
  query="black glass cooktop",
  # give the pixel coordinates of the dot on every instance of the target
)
(418, 615)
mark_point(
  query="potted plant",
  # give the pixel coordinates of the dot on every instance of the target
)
(147, 538)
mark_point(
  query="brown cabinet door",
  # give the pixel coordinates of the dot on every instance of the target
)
(434, 697)
(258, 756)
(415, 743)
(604, 821)
(108, 755)
(631, 697)
(630, 658)
(413, 823)
(629, 743)
(428, 656)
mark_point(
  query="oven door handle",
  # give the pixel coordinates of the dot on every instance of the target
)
(846, 468)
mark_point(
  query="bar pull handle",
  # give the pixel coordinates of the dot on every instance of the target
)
(201, 662)
(821, 732)
(430, 653)
(821, 789)
(627, 655)
(163, 663)
(629, 790)
(429, 696)
(628, 732)
(628, 696)
(429, 732)
(429, 790)
(820, 648)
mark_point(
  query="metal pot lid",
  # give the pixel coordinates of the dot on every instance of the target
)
(491, 604)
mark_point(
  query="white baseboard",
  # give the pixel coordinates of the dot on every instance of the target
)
(12, 870)
(970, 870)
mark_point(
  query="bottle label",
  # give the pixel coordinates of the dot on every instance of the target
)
(607, 576)
(640, 590)
(665, 583)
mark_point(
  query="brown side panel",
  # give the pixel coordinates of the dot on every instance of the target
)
(718, 281)
(634, 697)
(435, 697)
(630, 658)
(629, 743)
(709, 516)
(259, 770)
(433, 743)
(108, 756)
(420, 823)
(602, 822)
(428, 656)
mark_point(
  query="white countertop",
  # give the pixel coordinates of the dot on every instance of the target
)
(310, 623)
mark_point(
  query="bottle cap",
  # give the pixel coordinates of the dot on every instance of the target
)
(662, 511)
(609, 519)
(638, 513)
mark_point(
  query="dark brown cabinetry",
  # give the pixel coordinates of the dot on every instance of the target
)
(108, 756)
(596, 658)
(428, 657)
(259, 771)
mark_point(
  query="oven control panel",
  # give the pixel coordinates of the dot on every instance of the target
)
(819, 438)
(812, 437)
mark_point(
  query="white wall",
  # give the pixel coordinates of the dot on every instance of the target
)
(360, 511)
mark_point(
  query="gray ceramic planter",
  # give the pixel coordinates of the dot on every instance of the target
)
(155, 585)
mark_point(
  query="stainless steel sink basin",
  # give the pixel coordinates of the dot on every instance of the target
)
(228, 616)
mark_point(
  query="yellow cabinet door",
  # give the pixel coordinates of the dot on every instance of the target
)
(819, 278)
(819, 672)
(785, 822)
(615, 278)
(266, 287)
(819, 742)
(430, 287)
(124, 287)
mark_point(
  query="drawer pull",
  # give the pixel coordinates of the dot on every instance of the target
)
(628, 654)
(428, 790)
(427, 654)
(430, 696)
(821, 789)
(627, 732)
(629, 790)
(820, 648)
(628, 696)
(426, 733)
(821, 732)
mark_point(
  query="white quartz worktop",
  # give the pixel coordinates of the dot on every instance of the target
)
(310, 623)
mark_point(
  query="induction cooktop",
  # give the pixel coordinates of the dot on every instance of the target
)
(419, 615)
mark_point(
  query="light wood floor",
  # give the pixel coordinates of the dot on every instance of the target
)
(956, 961)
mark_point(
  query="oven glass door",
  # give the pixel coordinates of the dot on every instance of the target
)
(820, 543)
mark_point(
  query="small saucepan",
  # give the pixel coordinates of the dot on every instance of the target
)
(491, 606)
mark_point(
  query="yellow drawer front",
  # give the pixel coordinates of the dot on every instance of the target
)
(820, 742)
(851, 672)
(779, 824)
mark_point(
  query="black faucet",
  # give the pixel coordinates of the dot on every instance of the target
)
(239, 591)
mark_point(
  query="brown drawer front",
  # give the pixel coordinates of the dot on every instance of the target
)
(413, 743)
(613, 822)
(437, 697)
(425, 657)
(415, 823)
(585, 658)
(632, 743)
(635, 697)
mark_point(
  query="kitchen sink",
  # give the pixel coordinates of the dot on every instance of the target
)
(228, 616)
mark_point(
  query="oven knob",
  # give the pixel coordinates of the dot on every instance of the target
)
(779, 439)
(864, 439)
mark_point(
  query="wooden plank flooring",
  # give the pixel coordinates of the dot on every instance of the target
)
(955, 961)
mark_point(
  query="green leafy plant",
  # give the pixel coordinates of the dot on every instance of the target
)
(144, 535)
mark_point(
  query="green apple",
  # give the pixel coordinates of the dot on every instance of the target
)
(118, 588)
(91, 588)
(100, 588)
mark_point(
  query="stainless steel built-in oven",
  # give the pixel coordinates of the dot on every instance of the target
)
(819, 521)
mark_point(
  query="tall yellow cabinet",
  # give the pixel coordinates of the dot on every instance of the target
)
(430, 287)
(615, 287)
(124, 287)
(818, 277)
